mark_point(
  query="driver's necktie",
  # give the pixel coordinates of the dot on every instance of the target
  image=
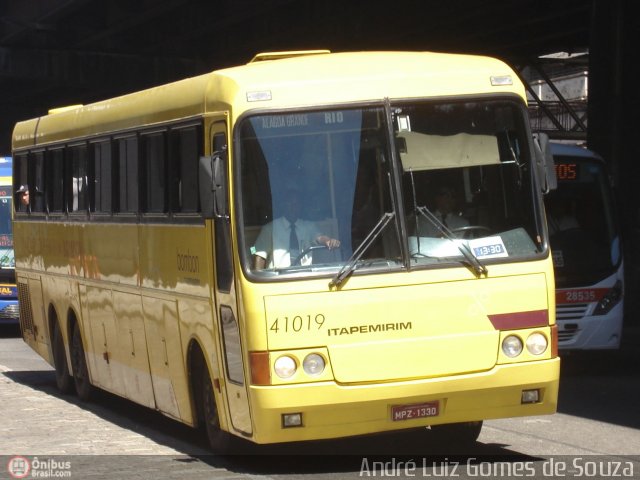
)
(294, 245)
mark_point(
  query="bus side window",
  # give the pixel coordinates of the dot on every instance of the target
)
(127, 175)
(55, 181)
(20, 178)
(154, 164)
(37, 182)
(100, 186)
(185, 153)
(78, 191)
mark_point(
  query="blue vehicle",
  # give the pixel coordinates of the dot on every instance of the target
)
(9, 312)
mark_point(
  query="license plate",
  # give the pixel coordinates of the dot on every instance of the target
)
(419, 410)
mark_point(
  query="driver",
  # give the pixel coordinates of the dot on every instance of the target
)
(281, 241)
(445, 211)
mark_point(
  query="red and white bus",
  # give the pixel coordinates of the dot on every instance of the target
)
(587, 254)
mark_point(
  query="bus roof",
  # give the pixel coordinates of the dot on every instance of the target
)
(571, 150)
(289, 82)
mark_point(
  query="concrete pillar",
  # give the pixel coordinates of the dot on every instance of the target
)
(614, 126)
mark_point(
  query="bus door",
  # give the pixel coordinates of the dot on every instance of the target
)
(230, 340)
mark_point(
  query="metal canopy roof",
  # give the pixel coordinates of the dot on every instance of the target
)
(62, 52)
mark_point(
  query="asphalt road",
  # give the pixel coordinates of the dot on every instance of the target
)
(595, 434)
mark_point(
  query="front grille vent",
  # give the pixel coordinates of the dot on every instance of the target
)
(571, 311)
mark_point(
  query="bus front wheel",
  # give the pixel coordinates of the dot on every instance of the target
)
(79, 363)
(219, 440)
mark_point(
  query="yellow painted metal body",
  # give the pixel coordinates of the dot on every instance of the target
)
(143, 293)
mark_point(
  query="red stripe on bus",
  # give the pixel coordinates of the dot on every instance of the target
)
(509, 321)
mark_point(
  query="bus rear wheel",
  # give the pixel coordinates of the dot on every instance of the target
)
(79, 362)
(219, 440)
(63, 378)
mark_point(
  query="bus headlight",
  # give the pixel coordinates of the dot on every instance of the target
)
(610, 300)
(536, 343)
(313, 364)
(512, 346)
(285, 366)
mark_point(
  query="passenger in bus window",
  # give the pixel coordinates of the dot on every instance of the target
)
(281, 242)
(446, 211)
(23, 196)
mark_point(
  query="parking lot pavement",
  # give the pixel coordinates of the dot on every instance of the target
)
(112, 437)
(59, 436)
(37, 420)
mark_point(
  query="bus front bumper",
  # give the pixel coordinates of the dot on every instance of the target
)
(329, 410)
(9, 312)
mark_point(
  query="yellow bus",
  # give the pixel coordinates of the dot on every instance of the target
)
(156, 259)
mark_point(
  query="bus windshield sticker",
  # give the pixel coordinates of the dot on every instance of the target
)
(488, 247)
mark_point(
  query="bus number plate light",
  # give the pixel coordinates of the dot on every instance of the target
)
(420, 410)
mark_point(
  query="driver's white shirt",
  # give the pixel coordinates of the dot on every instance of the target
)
(453, 221)
(272, 243)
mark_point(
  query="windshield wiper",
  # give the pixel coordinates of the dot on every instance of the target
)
(371, 237)
(475, 265)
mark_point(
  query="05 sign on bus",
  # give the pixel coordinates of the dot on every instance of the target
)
(566, 171)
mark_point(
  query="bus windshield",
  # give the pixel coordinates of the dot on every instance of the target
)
(6, 236)
(6, 239)
(396, 186)
(583, 235)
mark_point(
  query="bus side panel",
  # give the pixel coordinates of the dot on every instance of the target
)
(175, 265)
(111, 254)
(132, 348)
(32, 319)
(165, 357)
(103, 340)
(198, 325)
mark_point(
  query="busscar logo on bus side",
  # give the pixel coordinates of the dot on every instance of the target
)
(188, 263)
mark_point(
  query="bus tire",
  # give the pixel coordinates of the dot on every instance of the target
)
(465, 433)
(79, 362)
(63, 378)
(219, 440)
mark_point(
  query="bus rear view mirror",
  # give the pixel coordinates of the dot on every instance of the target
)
(220, 208)
(544, 163)
(212, 185)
